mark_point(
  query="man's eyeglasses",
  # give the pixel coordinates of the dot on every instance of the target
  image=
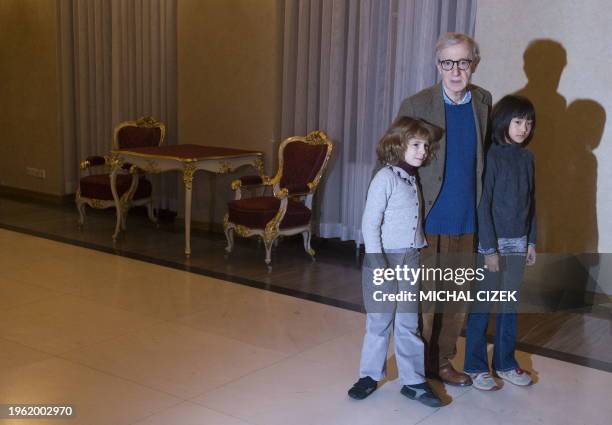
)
(462, 64)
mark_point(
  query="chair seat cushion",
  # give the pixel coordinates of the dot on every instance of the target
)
(257, 212)
(97, 186)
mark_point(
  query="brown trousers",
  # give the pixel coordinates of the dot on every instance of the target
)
(441, 330)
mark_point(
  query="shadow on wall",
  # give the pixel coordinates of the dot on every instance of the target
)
(566, 168)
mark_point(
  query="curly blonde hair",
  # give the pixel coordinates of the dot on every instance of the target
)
(392, 146)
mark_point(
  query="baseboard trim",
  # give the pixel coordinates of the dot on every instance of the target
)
(205, 226)
(30, 195)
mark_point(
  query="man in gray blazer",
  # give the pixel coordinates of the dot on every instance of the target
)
(451, 181)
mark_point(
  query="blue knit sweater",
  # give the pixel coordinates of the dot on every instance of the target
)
(454, 212)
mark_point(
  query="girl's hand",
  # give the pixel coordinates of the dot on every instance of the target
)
(531, 255)
(492, 262)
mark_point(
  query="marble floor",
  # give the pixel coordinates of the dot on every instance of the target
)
(130, 342)
(571, 319)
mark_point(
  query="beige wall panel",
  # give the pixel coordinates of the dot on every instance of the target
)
(28, 95)
(229, 84)
(558, 53)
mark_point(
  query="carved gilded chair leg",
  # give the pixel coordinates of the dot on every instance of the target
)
(229, 235)
(81, 210)
(123, 221)
(268, 245)
(125, 208)
(151, 213)
(306, 235)
(115, 164)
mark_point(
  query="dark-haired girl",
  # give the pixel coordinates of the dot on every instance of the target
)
(506, 240)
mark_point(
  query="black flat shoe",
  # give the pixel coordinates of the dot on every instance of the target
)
(422, 393)
(363, 388)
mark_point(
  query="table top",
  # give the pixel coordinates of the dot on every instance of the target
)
(187, 153)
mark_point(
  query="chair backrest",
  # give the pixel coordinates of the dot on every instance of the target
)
(302, 161)
(145, 131)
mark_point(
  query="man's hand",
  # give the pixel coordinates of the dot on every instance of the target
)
(531, 255)
(492, 262)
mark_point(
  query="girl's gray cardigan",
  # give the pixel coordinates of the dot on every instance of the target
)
(392, 217)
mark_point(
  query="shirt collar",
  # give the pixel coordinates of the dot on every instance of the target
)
(409, 169)
(401, 172)
(467, 98)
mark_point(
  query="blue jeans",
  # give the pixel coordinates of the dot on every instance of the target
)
(509, 278)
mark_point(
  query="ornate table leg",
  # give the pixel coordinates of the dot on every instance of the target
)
(126, 199)
(188, 181)
(115, 163)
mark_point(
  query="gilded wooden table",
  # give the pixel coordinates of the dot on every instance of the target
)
(184, 158)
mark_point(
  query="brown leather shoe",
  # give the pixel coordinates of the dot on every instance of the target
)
(450, 376)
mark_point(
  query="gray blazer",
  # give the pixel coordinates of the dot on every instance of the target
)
(428, 105)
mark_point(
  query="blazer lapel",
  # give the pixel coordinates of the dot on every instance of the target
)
(481, 111)
(437, 106)
(481, 116)
(437, 115)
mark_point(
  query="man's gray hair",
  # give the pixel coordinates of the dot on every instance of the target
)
(452, 38)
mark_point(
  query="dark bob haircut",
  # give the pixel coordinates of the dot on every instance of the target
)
(392, 146)
(509, 107)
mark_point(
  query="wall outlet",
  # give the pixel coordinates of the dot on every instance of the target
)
(36, 172)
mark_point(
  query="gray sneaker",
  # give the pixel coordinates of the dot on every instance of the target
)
(484, 381)
(516, 376)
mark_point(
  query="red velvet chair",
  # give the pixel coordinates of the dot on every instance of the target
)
(95, 190)
(288, 211)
